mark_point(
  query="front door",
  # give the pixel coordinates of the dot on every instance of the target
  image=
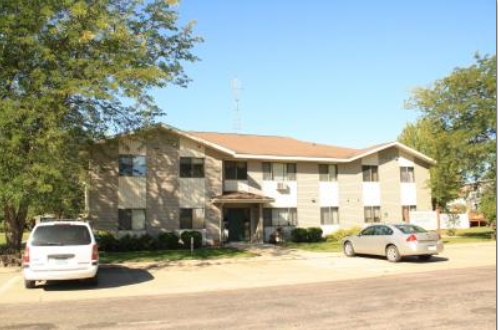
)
(238, 222)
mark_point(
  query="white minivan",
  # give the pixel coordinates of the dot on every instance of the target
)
(60, 250)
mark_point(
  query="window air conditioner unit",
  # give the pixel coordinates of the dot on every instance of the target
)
(281, 186)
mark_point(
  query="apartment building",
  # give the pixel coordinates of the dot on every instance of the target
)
(166, 179)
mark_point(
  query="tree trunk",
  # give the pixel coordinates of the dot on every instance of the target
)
(14, 223)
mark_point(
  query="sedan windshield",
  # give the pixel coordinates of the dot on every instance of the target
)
(410, 229)
(61, 234)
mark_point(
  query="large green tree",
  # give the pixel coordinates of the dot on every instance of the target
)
(457, 128)
(71, 72)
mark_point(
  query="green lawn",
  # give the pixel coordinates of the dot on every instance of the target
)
(173, 255)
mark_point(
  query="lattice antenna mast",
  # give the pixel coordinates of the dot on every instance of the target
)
(237, 116)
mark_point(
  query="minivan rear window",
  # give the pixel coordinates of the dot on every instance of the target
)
(61, 234)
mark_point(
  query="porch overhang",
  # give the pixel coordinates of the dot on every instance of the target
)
(241, 197)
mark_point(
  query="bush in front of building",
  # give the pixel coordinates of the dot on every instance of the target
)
(186, 235)
(315, 234)
(299, 235)
(106, 241)
(339, 234)
(168, 241)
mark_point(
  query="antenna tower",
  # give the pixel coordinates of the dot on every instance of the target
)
(237, 120)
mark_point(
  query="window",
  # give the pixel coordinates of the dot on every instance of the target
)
(235, 170)
(191, 167)
(407, 174)
(279, 171)
(329, 215)
(327, 172)
(370, 173)
(130, 165)
(405, 212)
(280, 217)
(372, 213)
(131, 219)
(192, 219)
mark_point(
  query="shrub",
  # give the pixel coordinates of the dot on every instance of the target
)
(341, 233)
(299, 235)
(187, 234)
(106, 241)
(146, 243)
(167, 241)
(315, 234)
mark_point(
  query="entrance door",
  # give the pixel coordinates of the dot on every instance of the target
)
(238, 224)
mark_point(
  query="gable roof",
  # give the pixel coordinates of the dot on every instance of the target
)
(249, 146)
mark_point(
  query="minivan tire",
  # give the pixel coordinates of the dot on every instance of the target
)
(29, 284)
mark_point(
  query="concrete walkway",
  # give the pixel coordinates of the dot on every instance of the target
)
(274, 266)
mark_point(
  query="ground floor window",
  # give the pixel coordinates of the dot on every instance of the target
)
(280, 217)
(192, 219)
(329, 215)
(131, 219)
(405, 212)
(372, 214)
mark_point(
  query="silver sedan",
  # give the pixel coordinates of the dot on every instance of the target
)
(394, 241)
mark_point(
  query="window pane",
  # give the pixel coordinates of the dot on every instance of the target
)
(333, 172)
(198, 219)
(323, 172)
(198, 167)
(139, 166)
(335, 215)
(241, 171)
(278, 171)
(185, 167)
(267, 175)
(138, 219)
(125, 165)
(267, 217)
(325, 216)
(124, 219)
(291, 172)
(185, 218)
(366, 173)
(375, 173)
(230, 171)
(376, 214)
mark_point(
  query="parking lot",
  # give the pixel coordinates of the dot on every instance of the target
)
(271, 268)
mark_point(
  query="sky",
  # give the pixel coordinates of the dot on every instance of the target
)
(336, 72)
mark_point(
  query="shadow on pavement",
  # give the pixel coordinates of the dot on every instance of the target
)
(110, 276)
(407, 259)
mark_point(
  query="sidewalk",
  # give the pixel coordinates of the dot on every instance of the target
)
(275, 266)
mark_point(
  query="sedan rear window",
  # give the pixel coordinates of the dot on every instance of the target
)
(410, 229)
(61, 235)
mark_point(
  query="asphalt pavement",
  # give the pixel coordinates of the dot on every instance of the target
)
(274, 266)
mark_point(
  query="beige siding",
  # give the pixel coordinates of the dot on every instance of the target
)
(103, 186)
(390, 186)
(308, 208)
(213, 167)
(132, 192)
(162, 183)
(350, 194)
(129, 146)
(422, 180)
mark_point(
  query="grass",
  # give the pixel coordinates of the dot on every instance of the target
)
(173, 255)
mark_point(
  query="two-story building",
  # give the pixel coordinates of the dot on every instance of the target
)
(166, 179)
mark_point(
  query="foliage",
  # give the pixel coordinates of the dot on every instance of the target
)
(168, 241)
(71, 72)
(314, 234)
(457, 127)
(106, 241)
(187, 235)
(339, 234)
(299, 235)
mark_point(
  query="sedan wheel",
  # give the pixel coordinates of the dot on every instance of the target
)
(348, 249)
(392, 254)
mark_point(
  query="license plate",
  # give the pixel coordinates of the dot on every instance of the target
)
(59, 262)
(431, 248)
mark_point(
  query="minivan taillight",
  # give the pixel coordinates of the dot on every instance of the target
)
(25, 256)
(411, 238)
(95, 252)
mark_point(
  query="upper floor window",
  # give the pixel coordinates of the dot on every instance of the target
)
(191, 167)
(407, 174)
(130, 165)
(235, 170)
(327, 172)
(372, 213)
(279, 171)
(370, 173)
(192, 219)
